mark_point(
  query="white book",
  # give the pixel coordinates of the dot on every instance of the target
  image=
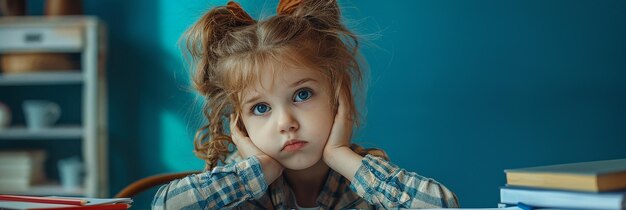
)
(563, 199)
(33, 174)
(14, 184)
(15, 161)
(25, 164)
(15, 170)
(22, 157)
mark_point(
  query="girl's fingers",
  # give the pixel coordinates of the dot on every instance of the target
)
(343, 115)
(342, 126)
(343, 106)
(232, 127)
(235, 133)
(244, 145)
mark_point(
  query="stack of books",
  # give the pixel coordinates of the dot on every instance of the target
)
(586, 185)
(18, 202)
(19, 170)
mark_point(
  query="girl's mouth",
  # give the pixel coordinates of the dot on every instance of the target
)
(293, 145)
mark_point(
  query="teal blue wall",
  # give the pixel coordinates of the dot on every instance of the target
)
(458, 90)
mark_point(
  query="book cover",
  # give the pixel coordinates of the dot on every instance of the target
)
(563, 199)
(16, 205)
(18, 202)
(595, 176)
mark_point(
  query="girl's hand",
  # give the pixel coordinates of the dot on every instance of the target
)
(272, 169)
(341, 132)
(245, 147)
(337, 153)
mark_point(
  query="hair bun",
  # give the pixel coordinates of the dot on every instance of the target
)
(238, 13)
(286, 7)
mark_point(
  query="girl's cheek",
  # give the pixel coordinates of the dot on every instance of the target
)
(267, 151)
(266, 147)
(259, 141)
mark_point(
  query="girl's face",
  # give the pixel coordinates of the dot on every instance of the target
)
(288, 115)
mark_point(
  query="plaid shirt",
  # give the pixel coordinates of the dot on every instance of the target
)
(377, 184)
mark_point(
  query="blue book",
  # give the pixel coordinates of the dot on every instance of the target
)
(563, 199)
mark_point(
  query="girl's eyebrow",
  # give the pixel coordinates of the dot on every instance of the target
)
(250, 100)
(299, 82)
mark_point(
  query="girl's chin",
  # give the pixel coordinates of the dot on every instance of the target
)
(300, 163)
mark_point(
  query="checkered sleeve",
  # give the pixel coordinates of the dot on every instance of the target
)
(223, 187)
(384, 184)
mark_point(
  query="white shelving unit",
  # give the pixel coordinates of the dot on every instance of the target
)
(58, 78)
(71, 34)
(59, 132)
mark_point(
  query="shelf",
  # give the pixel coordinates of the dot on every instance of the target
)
(42, 78)
(47, 189)
(41, 50)
(60, 132)
(85, 38)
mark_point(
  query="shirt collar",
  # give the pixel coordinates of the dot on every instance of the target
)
(335, 192)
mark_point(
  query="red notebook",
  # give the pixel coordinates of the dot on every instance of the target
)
(18, 202)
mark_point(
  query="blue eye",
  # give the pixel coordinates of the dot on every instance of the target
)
(303, 95)
(260, 109)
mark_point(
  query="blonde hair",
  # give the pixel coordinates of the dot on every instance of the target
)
(228, 48)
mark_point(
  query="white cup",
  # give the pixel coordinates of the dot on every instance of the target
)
(40, 114)
(71, 173)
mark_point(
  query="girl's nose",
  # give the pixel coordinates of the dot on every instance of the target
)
(287, 122)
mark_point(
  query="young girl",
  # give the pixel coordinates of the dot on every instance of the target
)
(284, 85)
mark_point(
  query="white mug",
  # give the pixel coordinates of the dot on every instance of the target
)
(71, 173)
(40, 114)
